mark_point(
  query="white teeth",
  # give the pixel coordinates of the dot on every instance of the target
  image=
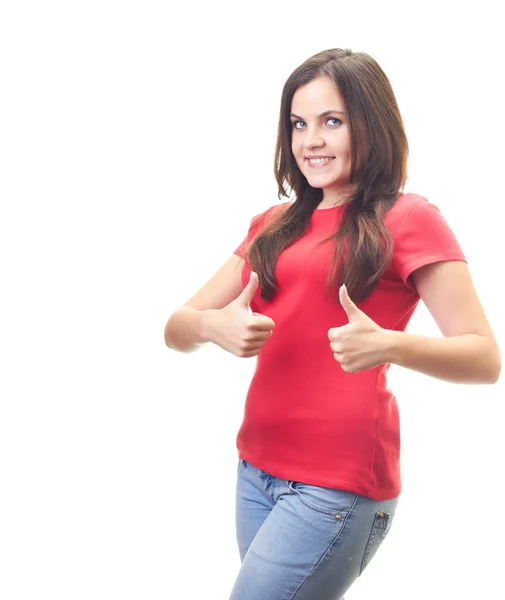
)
(319, 160)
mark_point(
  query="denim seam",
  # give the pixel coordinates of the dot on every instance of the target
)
(316, 507)
(373, 534)
(327, 549)
(371, 538)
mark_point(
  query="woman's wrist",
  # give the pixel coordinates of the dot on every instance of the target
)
(188, 328)
(394, 342)
(207, 324)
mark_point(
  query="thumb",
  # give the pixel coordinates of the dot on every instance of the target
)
(248, 292)
(352, 311)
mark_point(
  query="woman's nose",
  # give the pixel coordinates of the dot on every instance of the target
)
(313, 139)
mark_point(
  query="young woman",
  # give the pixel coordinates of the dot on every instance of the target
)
(321, 291)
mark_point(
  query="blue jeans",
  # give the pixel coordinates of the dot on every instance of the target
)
(300, 541)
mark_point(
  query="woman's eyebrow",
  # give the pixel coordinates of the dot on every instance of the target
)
(324, 114)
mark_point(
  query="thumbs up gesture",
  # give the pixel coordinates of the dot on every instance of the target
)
(237, 329)
(361, 343)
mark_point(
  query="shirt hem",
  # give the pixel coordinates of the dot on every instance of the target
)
(366, 491)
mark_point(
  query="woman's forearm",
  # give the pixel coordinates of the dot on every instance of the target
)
(185, 329)
(469, 358)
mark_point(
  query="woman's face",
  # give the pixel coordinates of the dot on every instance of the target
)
(320, 139)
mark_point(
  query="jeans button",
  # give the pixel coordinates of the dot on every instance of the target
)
(338, 517)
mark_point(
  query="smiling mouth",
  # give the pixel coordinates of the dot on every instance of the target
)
(320, 161)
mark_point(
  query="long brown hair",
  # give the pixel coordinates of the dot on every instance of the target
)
(379, 150)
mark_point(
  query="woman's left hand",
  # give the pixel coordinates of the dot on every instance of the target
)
(361, 344)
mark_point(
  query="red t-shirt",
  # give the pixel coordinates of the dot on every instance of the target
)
(305, 418)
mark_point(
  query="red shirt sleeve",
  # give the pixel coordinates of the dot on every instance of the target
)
(424, 237)
(255, 227)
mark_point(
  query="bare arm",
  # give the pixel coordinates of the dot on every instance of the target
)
(468, 352)
(186, 328)
(219, 313)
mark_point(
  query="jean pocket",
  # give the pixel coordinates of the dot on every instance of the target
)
(329, 501)
(380, 528)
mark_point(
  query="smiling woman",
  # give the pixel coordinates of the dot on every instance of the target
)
(321, 291)
(321, 141)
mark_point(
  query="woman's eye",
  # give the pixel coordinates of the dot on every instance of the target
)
(333, 121)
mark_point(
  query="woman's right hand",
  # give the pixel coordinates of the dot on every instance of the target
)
(238, 330)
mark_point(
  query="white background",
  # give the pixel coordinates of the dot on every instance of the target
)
(137, 142)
